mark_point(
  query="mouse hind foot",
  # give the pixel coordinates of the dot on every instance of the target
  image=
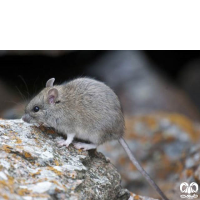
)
(85, 146)
(67, 142)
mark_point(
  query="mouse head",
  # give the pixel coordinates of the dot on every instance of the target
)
(42, 105)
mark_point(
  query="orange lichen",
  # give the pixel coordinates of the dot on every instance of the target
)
(27, 155)
(136, 197)
(10, 180)
(167, 167)
(18, 141)
(39, 195)
(183, 122)
(157, 138)
(19, 147)
(6, 148)
(8, 183)
(179, 167)
(41, 180)
(122, 160)
(132, 167)
(189, 172)
(72, 174)
(4, 196)
(170, 139)
(57, 190)
(56, 163)
(60, 185)
(36, 173)
(23, 191)
(147, 120)
(55, 182)
(151, 121)
(55, 171)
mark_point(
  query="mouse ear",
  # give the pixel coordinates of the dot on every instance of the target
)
(50, 82)
(52, 95)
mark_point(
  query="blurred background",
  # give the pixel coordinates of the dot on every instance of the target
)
(159, 93)
(145, 81)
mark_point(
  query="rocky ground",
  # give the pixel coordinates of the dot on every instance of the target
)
(162, 142)
(33, 167)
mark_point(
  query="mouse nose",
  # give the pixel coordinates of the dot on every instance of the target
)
(26, 118)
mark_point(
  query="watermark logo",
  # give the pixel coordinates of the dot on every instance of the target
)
(189, 190)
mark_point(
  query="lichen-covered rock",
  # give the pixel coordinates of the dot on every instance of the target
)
(190, 173)
(158, 141)
(33, 167)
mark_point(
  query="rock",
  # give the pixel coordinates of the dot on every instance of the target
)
(158, 141)
(33, 167)
(190, 172)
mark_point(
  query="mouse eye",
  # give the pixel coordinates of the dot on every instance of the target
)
(36, 109)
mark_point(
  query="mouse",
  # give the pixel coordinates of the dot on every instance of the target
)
(86, 109)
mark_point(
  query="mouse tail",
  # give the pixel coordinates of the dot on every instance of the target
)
(140, 168)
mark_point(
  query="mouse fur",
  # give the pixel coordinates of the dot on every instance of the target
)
(85, 107)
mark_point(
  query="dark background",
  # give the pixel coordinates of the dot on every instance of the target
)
(75, 63)
(143, 80)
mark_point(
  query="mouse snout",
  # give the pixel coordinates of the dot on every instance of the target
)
(26, 118)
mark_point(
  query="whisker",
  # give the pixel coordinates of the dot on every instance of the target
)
(23, 97)
(25, 85)
(16, 103)
(34, 85)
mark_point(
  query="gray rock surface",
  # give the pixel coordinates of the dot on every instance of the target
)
(33, 167)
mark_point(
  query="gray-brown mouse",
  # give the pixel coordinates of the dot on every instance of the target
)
(85, 109)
